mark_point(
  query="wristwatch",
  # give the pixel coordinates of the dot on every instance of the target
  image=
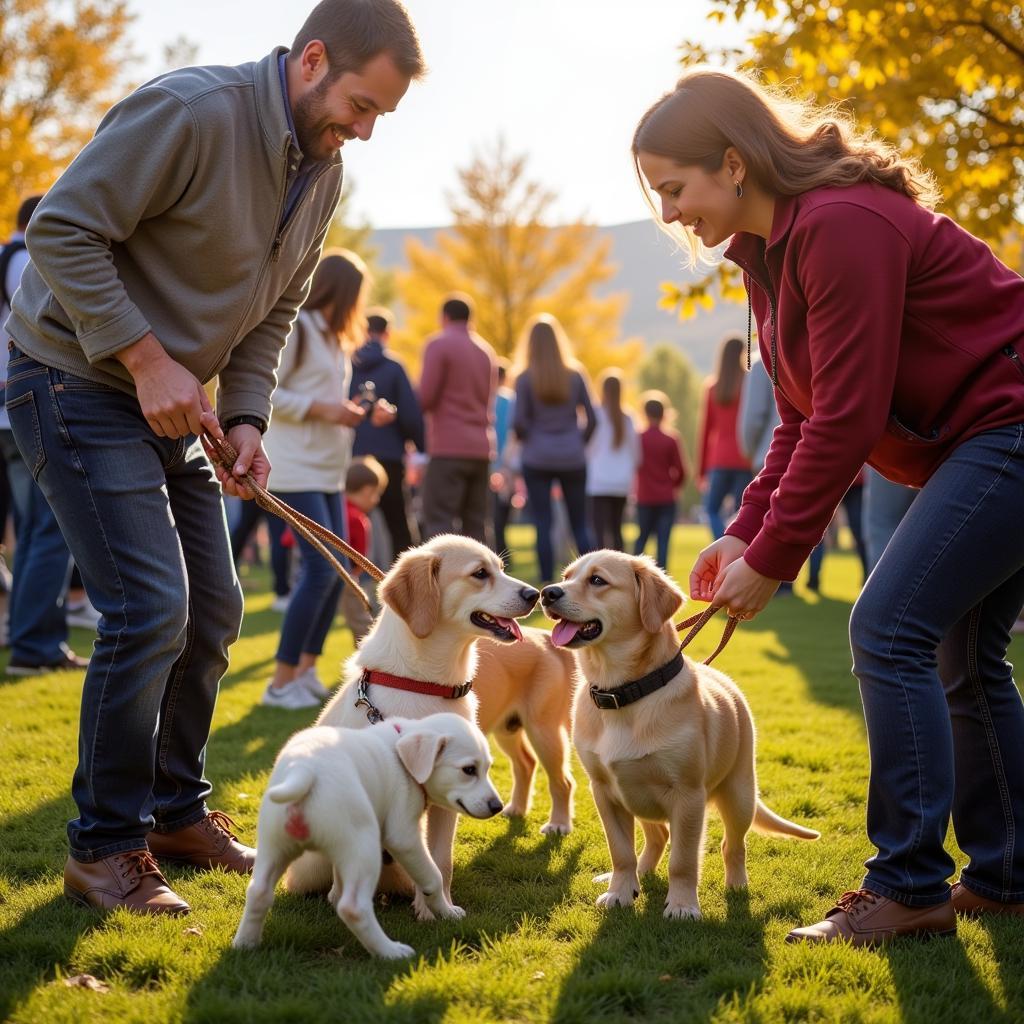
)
(249, 421)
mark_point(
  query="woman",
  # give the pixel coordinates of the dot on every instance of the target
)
(612, 459)
(723, 470)
(309, 443)
(551, 392)
(893, 337)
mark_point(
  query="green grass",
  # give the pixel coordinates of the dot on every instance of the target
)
(532, 947)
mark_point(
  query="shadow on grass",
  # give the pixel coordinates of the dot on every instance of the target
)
(31, 950)
(311, 967)
(640, 966)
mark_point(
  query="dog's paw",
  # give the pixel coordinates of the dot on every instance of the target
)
(245, 942)
(681, 911)
(603, 879)
(555, 828)
(397, 951)
(420, 909)
(624, 896)
(451, 912)
(513, 811)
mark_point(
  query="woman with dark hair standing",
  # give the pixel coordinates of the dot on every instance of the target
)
(723, 470)
(309, 443)
(551, 392)
(896, 338)
(612, 459)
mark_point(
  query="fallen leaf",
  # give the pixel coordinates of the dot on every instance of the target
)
(665, 977)
(537, 975)
(87, 981)
(194, 930)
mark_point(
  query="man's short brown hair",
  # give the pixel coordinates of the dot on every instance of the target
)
(356, 31)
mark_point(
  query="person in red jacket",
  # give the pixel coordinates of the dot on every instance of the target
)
(723, 470)
(662, 471)
(893, 337)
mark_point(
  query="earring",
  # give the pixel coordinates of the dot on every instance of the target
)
(739, 190)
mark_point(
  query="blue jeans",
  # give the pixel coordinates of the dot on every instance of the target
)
(853, 502)
(38, 632)
(241, 529)
(656, 519)
(722, 483)
(945, 721)
(318, 589)
(885, 504)
(538, 494)
(143, 518)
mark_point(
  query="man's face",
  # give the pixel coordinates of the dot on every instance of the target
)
(327, 114)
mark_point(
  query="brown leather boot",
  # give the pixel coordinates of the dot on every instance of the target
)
(209, 843)
(130, 880)
(970, 903)
(864, 918)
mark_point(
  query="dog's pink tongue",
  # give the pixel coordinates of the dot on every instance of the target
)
(564, 632)
(511, 625)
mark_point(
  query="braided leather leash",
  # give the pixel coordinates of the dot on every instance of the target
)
(224, 454)
(697, 622)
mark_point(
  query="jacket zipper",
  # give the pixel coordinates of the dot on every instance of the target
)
(769, 292)
(1011, 353)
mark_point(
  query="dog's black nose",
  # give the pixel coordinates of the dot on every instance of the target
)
(529, 595)
(494, 805)
(551, 594)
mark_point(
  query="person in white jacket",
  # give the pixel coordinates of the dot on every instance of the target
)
(309, 443)
(613, 456)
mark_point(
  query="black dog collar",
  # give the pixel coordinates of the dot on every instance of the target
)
(628, 693)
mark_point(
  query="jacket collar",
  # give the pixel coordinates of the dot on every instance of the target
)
(270, 105)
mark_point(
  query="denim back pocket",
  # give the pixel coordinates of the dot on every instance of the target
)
(24, 417)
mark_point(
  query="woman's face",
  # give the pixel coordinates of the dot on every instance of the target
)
(704, 202)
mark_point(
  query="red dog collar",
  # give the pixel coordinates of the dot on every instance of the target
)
(371, 675)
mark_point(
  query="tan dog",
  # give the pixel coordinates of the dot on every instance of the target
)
(525, 693)
(438, 599)
(663, 756)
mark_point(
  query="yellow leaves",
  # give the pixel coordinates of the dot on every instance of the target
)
(968, 75)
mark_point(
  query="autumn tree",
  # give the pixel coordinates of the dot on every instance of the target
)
(940, 79)
(60, 65)
(504, 251)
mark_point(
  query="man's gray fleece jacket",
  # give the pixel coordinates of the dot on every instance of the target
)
(170, 220)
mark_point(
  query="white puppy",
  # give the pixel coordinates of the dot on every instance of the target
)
(344, 792)
(438, 599)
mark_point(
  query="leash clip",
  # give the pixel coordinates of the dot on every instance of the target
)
(373, 713)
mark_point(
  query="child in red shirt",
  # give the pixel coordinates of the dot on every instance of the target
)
(662, 472)
(364, 483)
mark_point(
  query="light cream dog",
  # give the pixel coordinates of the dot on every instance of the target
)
(525, 693)
(663, 757)
(438, 599)
(345, 791)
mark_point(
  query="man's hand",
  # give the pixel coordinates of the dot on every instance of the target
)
(172, 400)
(248, 442)
(383, 413)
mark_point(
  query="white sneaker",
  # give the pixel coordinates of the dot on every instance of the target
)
(310, 682)
(280, 603)
(293, 696)
(83, 615)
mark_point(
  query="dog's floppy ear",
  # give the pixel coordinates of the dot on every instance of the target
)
(412, 590)
(419, 752)
(659, 597)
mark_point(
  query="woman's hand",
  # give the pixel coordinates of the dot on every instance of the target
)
(710, 563)
(742, 591)
(383, 413)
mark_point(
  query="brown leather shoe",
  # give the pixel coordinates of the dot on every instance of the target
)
(209, 843)
(130, 880)
(864, 918)
(970, 903)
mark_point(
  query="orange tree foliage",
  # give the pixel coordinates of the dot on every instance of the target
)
(60, 64)
(505, 254)
(940, 79)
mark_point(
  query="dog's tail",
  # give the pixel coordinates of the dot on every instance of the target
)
(768, 822)
(298, 781)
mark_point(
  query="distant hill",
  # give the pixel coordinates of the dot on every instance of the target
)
(645, 258)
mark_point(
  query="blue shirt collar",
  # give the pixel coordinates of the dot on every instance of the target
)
(287, 103)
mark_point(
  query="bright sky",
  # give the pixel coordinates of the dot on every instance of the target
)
(562, 80)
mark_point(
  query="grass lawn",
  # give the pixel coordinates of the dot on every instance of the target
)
(533, 947)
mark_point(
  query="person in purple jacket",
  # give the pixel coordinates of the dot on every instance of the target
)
(896, 338)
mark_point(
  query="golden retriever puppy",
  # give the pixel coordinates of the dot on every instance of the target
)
(417, 660)
(659, 735)
(344, 791)
(525, 693)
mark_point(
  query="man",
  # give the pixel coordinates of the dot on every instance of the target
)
(38, 631)
(457, 388)
(177, 247)
(371, 363)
